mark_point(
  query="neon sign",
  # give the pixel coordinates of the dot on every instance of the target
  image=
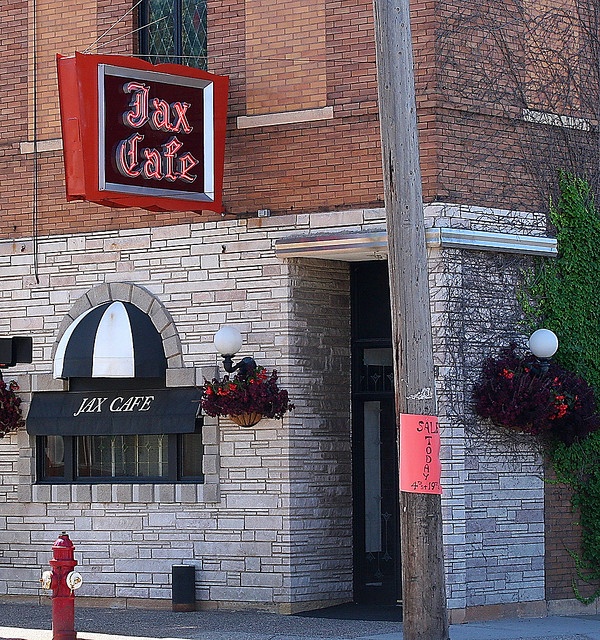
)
(155, 164)
(142, 135)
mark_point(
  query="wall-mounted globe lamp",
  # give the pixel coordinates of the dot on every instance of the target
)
(543, 343)
(228, 341)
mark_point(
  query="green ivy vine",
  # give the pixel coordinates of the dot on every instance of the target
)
(564, 294)
(578, 466)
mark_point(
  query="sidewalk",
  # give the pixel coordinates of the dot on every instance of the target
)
(33, 622)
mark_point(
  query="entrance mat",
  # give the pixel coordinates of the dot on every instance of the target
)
(351, 611)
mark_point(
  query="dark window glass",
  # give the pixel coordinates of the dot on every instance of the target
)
(173, 31)
(191, 455)
(127, 458)
(131, 456)
(52, 461)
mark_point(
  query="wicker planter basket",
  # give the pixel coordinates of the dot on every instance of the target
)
(246, 419)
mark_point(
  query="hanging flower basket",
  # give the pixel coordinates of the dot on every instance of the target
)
(514, 394)
(11, 417)
(246, 419)
(246, 399)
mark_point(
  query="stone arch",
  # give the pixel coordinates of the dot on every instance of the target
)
(143, 300)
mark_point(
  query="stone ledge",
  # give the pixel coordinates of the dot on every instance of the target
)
(47, 382)
(285, 117)
(572, 606)
(117, 493)
(56, 144)
(181, 377)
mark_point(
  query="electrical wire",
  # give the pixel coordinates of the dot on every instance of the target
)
(125, 35)
(35, 210)
(97, 40)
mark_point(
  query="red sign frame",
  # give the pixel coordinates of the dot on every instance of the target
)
(140, 135)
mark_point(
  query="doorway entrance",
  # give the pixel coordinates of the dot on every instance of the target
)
(377, 574)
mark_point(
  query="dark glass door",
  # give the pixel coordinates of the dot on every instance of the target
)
(377, 568)
(376, 524)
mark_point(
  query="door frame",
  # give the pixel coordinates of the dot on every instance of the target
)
(387, 594)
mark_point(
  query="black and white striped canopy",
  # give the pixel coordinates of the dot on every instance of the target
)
(112, 340)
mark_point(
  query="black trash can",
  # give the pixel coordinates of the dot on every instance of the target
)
(183, 584)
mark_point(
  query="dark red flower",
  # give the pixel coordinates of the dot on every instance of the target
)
(11, 417)
(515, 394)
(255, 393)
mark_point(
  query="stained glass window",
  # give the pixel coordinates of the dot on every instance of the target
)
(174, 31)
(131, 456)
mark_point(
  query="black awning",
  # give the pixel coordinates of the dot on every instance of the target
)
(142, 411)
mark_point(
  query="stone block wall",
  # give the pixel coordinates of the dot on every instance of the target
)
(493, 502)
(320, 490)
(270, 526)
(272, 529)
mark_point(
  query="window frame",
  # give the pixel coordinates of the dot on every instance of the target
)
(174, 464)
(177, 33)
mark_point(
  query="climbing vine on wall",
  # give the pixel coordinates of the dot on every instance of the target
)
(565, 295)
(578, 466)
(566, 292)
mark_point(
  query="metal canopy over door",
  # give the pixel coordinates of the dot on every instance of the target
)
(377, 576)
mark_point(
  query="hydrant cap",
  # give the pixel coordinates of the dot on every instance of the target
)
(63, 542)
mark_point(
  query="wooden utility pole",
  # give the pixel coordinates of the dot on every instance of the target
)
(423, 582)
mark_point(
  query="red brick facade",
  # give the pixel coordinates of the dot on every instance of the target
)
(475, 148)
(322, 165)
(563, 544)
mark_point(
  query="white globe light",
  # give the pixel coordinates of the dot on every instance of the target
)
(228, 340)
(543, 343)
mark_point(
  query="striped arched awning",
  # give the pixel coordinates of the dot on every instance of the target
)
(112, 340)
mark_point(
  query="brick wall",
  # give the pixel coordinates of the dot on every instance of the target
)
(59, 28)
(472, 151)
(285, 168)
(286, 66)
(493, 63)
(563, 538)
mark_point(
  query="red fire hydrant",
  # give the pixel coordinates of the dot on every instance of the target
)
(63, 581)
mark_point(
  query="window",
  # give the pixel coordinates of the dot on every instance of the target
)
(118, 421)
(136, 456)
(121, 458)
(173, 31)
